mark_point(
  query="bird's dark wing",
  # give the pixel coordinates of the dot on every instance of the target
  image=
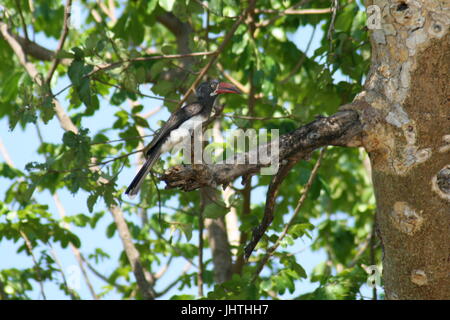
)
(174, 121)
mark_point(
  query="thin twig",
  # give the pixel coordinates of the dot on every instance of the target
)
(164, 269)
(265, 23)
(22, 19)
(208, 9)
(158, 57)
(239, 85)
(96, 164)
(62, 39)
(173, 283)
(101, 276)
(175, 249)
(302, 58)
(134, 91)
(72, 294)
(256, 118)
(75, 250)
(5, 154)
(120, 140)
(294, 12)
(29, 247)
(117, 64)
(331, 27)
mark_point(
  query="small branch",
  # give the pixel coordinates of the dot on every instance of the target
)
(94, 165)
(72, 293)
(117, 64)
(256, 118)
(22, 19)
(133, 91)
(144, 278)
(208, 9)
(300, 203)
(62, 39)
(158, 57)
(294, 12)
(331, 27)
(75, 250)
(110, 12)
(272, 193)
(239, 85)
(5, 154)
(101, 276)
(29, 247)
(175, 249)
(302, 59)
(164, 269)
(173, 283)
(291, 11)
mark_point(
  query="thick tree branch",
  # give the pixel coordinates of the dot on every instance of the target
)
(37, 51)
(220, 247)
(340, 129)
(181, 30)
(300, 203)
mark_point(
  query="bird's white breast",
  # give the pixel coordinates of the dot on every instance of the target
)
(184, 131)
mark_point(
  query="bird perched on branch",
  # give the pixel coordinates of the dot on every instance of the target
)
(180, 125)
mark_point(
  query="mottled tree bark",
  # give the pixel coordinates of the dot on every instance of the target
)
(405, 110)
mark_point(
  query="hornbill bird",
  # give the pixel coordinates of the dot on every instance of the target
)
(180, 125)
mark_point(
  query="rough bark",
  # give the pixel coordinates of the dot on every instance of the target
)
(405, 110)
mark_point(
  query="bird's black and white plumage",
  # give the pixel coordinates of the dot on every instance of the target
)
(180, 125)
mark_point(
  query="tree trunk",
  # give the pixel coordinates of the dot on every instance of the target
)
(405, 110)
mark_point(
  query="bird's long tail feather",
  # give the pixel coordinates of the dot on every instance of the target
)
(135, 185)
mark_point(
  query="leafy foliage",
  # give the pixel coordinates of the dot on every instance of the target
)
(108, 62)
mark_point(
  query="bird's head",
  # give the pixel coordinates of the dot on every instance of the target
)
(213, 88)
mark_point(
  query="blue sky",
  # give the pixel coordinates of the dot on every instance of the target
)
(21, 146)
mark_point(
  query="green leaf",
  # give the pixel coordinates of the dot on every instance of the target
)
(300, 229)
(214, 211)
(151, 5)
(75, 71)
(166, 4)
(92, 199)
(187, 230)
(110, 230)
